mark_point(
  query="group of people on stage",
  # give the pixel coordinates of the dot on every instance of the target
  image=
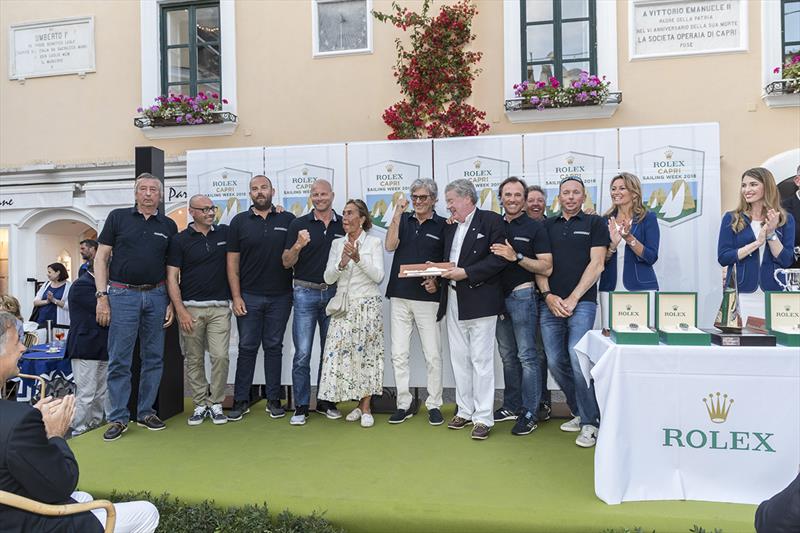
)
(523, 280)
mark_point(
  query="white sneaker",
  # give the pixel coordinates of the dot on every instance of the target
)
(588, 437)
(367, 421)
(573, 426)
(353, 415)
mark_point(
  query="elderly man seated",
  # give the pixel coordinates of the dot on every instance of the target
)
(36, 463)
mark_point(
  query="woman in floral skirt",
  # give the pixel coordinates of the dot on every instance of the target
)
(352, 365)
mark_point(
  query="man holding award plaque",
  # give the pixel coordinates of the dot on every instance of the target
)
(416, 238)
(578, 242)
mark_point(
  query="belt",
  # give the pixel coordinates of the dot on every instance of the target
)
(145, 287)
(311, 285)
(526, 285)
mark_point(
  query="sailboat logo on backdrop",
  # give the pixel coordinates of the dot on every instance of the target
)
(672, 182)
(486, 173)
(552, 169)
(384, 185)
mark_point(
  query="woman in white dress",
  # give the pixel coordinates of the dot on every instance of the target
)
(352, 365)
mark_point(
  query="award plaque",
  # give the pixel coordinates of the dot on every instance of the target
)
(783, 316)
(676, 319)
(630, 316)
(421, 270)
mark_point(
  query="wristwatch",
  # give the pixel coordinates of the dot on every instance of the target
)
(98, 294)
(545, 294)
(520, 257)
(773, 237)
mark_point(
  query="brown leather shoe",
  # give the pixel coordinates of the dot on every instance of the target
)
(458, 423)
(480, 431)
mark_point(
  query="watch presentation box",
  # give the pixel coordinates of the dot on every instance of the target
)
(747, 337)
(630, 316)
(676, 319)
(420, 270)
(783, 317)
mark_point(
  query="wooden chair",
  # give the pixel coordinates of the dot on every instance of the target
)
(32, 506)
(40, 379)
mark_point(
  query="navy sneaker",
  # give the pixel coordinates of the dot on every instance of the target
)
(400, 416)
(503, 414)
(525, 424)
(240, 408)
(435, 417)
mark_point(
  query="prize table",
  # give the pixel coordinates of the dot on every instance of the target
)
(38, 362)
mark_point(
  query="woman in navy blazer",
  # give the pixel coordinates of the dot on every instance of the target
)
(757, 237)
(634, 229)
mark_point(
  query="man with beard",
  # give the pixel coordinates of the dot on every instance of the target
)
(88, 250)
(261, 288)
(307, 247)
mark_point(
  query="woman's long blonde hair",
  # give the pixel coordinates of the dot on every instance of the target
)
(772, 200)
(632, 184)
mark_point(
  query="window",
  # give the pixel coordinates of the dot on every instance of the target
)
(341, 26)
(790, 28)
(191, 55)
(558, 38)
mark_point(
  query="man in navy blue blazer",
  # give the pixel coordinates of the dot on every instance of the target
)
(472, 300)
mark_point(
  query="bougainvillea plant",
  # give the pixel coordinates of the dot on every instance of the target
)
(435, 73)
(183, 109)
(586, 90)
(790, 70)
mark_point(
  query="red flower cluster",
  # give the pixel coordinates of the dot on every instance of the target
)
(435, 75)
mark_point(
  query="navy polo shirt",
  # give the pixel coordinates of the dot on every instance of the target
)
(202, 260)
(418, 243)
(261, 242)
(313, 257)
(570, 242)
(529, 238)
(139, 255)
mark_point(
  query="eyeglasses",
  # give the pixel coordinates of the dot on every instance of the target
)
(419, 197)
(205, 210)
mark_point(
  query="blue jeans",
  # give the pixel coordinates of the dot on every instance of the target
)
(264, 325)
(309, 311)
(135, 313)
(516, 341)
(560, 336)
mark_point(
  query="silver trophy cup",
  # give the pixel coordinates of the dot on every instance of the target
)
(792, 277)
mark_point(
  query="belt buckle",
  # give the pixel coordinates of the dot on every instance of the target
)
(323, 286)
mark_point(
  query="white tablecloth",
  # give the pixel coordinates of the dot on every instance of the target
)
(657, 440)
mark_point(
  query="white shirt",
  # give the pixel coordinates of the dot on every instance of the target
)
(361, 279)
(458, 238)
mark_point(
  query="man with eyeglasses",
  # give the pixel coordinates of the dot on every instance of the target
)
(416, 237)
(306, 251)
(198, 288)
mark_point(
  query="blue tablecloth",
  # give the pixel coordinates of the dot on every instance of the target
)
(38, 362)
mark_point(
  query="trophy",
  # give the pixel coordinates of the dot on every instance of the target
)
(792, 277)
(729, 319)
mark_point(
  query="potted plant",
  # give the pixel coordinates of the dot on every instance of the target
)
(790, 73)
(183, 110)
(587, 90)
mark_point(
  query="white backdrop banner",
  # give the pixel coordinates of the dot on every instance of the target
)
(679, 170)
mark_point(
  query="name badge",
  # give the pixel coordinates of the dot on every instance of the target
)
(278, 228)
(523, 239)
(338, 234)
(160, 235)
(222, 243)
(432, 236)
(581, 233)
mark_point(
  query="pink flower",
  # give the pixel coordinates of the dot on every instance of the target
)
(554, 82)
(776, 70)
(214, 95)
(224, 101)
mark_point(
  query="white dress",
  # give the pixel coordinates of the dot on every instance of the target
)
(752, 303)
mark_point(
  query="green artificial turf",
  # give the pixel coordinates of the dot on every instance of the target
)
(408, 477)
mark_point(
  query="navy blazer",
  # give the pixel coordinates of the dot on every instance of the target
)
(86, 338)
(637, 272)
(33, 466)
(481, 294)
(749, 274)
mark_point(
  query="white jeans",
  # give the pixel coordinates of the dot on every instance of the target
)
(472, 356)
(91, 398)
(404, 314)
(132, 517)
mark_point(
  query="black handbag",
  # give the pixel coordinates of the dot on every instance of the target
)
(35, 313)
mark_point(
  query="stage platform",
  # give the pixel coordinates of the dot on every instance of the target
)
(388, 478)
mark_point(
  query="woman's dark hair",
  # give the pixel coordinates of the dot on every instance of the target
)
(61, 269)
(362, 212)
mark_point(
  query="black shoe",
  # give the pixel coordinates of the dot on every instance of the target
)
(275, 409)
(400, 416)
(525, 424)
(504, 414)
(544, 411)
(240, 408)
(435, 417)
(151, 422)
(114, 431)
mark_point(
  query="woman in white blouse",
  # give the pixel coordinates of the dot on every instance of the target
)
(352, 365)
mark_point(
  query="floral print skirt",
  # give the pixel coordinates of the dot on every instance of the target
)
(352, 365)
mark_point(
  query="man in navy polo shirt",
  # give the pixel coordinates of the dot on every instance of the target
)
(307, 246)
(198, 288)
(414, 238)
(261, 288)
(132, 301)
(527, 248)
(578, 242)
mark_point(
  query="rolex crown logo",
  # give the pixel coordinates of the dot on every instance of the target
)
(224, 175)
(668, 154)
(718, 408)
(304, 172)
(787, 308)
(674, 307)
(477, 163)
(628, 307)
(570, 160)
(389, 167)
